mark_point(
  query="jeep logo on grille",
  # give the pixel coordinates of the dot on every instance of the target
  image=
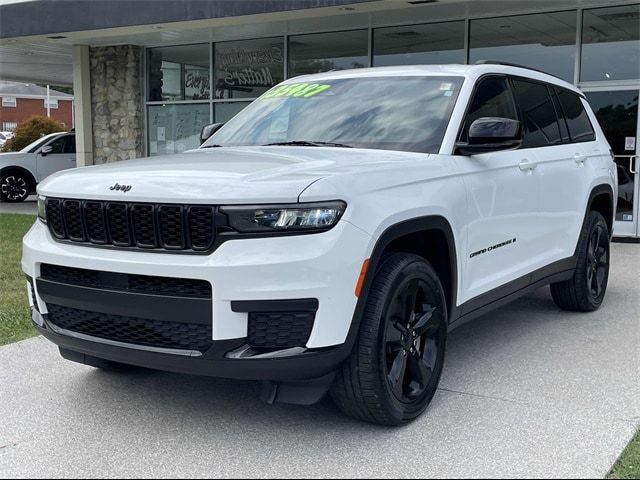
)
(120, 188)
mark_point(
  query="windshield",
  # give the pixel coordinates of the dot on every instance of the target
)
(32, 147)
(387, 113)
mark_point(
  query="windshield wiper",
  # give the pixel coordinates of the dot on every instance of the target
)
(306, 143)
(211, 146)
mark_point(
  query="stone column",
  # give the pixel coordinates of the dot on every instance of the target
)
(117, 103)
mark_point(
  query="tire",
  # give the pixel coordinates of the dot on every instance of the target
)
(390, 378)
(14, 187)
(586, 290)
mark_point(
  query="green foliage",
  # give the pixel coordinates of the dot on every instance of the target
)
(30, 130)
(15, 319)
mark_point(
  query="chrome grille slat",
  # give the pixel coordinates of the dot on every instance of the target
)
(129, 225)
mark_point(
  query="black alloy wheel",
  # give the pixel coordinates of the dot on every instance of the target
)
(585, 291)
(413, 338)
(394, 369)
(597, 261)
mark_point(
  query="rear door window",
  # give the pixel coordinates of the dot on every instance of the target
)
(538, 114)
(580, 127)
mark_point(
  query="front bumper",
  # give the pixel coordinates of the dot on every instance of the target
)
(323, 266)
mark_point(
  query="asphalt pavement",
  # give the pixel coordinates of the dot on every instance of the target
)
(527, 391)
(29, 206)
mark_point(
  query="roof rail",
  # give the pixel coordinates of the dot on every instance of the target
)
(507, 64)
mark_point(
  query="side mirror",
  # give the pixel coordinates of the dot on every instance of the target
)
(491, 134)
(44, 151)
(208, 130)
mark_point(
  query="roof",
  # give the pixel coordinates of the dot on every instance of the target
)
(468, 71)
(26, 18)
(28, 90)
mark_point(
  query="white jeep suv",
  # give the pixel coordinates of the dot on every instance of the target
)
(330, 235)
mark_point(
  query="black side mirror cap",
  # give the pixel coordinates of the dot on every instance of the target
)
(488, 134)
(208, 130)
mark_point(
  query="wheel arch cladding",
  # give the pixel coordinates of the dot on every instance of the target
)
(16, 169)
(429, 237)
(601, 200)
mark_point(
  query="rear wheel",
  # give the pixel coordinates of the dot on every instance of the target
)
(395, 367)
(585, 291)
(14, 187)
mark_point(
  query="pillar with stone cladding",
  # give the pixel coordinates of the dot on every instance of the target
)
(117, 103)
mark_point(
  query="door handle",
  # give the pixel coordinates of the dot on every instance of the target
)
(528, 166)
(580, 159)
(632, 161)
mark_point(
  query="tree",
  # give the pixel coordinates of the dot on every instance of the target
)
(31, 130)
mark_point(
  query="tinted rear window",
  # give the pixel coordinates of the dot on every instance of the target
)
(580, 127)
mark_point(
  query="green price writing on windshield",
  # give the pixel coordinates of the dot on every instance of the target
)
(304, 90)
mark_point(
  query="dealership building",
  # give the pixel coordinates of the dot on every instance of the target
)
(148, 74)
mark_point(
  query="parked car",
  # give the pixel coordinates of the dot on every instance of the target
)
(329, 236)
(4, 136)
(20, 172)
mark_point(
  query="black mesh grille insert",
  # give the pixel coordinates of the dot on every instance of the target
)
(279, 330)
(144, 225)
(182, 287)
(94, 221)
(171, 227)
(118, 224)
(135, 225)
(201, 225)
(136, 331)
(72, 210)
(54, 218)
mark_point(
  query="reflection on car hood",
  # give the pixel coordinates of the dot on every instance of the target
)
(217, 175)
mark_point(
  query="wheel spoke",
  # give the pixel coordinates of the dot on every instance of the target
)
(598, 235)
(600, 276)
(430, 353)
(395, 330)
(426, 324)
(409, 301)
(420, 374)
(397, 374)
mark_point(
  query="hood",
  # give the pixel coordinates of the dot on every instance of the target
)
(216, 175)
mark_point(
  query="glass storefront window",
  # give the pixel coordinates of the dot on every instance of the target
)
(545, 41)
(176, 128)
(321, 52)
(248, 68)
(178, 73)
(435, 43)
(611, 44)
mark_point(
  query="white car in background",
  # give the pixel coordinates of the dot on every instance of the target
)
(21, 172)
(4, 136)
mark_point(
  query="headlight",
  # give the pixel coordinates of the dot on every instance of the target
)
(302, 217)
(42, 208)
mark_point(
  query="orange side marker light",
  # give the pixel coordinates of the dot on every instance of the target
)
(363, 273)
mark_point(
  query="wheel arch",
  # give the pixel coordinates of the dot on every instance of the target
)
(430, 237)
(602, 200)
(22, 170)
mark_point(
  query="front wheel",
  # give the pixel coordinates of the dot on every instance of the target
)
(395, 367)
(586, 290)
(14, 187)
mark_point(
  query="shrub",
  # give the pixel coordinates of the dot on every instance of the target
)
(30, 130)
